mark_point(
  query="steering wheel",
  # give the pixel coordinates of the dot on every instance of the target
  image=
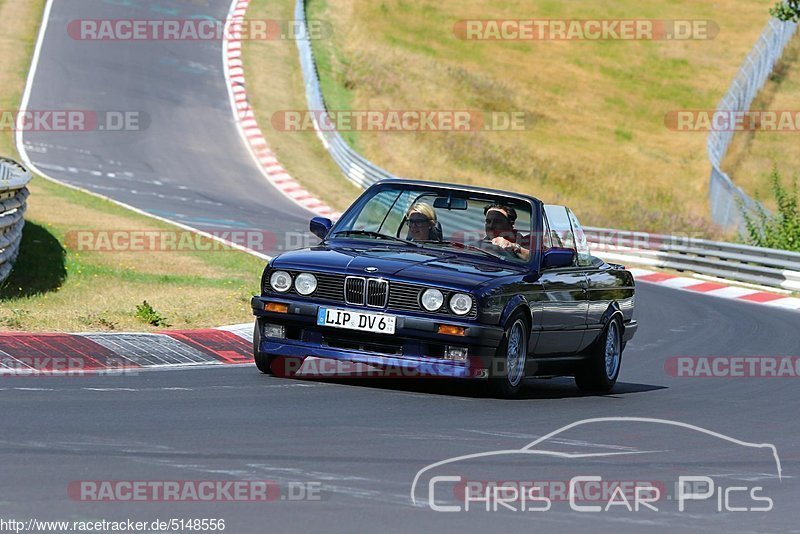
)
(486, 242)
(487, 245)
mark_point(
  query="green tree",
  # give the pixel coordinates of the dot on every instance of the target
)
(779, 230)
(786, 10)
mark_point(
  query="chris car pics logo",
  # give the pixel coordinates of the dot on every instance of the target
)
(582, 485)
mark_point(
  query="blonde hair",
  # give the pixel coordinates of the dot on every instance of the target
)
(423, 209)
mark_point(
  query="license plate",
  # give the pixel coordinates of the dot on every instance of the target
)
(353, 320)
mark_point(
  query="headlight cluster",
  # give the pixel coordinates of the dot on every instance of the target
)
(280, 281)
(460, 303)
(304, 283)
(433, 300)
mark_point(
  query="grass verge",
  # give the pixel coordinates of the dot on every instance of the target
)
(752, 155)
(55, 286)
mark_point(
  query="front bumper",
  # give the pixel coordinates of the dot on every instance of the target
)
(416, 349)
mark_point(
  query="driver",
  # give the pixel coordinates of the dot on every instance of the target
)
(500, 230)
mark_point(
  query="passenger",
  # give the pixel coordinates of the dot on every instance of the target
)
(422, 223)
(500, 230)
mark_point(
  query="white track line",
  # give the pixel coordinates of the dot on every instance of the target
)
(247, 124)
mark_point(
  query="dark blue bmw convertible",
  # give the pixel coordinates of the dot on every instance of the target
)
(425, 279)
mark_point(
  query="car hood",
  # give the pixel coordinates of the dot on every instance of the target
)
(421, 265)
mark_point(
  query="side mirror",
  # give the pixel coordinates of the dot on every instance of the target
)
(556, 257)
(320, 226)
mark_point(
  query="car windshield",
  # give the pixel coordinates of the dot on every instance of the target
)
(465, 222)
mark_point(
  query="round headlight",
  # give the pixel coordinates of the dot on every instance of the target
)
(461, 303)
(432, 299)
(305, 283)
(280, 281)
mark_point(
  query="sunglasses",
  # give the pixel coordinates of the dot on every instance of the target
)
(418, 221)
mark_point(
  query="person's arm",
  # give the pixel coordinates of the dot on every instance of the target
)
(515, 248)
(521, 251)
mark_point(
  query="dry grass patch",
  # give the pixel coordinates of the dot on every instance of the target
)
(595, 138)
(752, 154)
(19, 21)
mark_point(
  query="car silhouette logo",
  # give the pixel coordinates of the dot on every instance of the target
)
(371, 269)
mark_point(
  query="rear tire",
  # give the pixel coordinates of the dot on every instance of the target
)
(599, 374)
(508, 366)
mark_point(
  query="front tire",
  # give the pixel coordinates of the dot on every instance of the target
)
(600, 373)
(262, 360)
(270, 364)
(508, 367)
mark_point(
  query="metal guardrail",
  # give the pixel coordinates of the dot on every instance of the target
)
(355, 167)
(724, 196)
(731, 261)
(773, 268)
(14, 179)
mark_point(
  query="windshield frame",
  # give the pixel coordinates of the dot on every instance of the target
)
(355, 209)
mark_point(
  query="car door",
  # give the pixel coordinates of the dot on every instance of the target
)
(600, 283)
(605, 285)
(564, 305)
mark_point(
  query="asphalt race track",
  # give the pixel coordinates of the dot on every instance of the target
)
(187, 161)
(349, 451)
(361, 442)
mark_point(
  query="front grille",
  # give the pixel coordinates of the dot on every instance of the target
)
(329, 287)
(405, 297)
(354, 290)
(374, 293)
(364, 343)
(377, 293)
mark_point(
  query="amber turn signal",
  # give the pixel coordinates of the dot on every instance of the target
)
(276, 307)
(451, 330)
